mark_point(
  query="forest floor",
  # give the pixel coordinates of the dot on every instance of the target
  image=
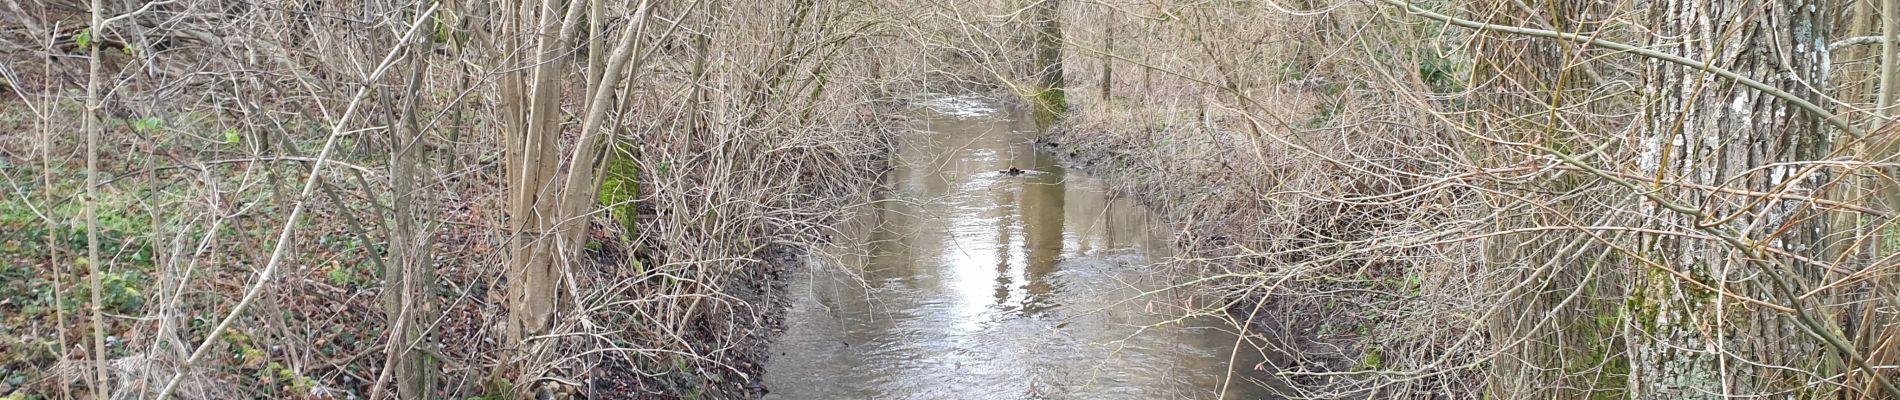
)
(318, 334)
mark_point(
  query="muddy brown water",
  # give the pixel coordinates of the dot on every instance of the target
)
(967, 283)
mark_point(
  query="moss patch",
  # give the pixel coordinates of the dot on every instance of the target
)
(1051, 103)
(619, 188)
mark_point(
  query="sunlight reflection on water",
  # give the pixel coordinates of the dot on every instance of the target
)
(976, 284)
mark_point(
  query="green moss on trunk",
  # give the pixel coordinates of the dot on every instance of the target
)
(1051, 103)
(619, 188)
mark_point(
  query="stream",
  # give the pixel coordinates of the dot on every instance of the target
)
(970, 283)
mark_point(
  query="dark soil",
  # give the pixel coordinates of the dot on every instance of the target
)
(746, 333)
(767, 294)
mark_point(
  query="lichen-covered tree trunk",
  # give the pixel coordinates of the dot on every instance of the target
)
(1690, 342)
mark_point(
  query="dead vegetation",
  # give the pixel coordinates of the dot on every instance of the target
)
(413, 199)
(739, 133)
(1514, 199)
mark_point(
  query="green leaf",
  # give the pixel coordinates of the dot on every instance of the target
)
(441, 30)
(84, 38)
(147, 124)
(231, 136)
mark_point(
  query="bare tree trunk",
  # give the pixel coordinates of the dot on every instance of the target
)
(408, 282)
(1889, 72)
(702, 46)
(1855, 76)
(1050, 97)
(533, 144)
(550, 211)
(53, 226)
(1847, 245)
(1879, 330)
(95, 265)
(1108, 47)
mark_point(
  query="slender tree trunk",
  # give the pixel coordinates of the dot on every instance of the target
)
(1889, 71)
(1108, 46)
(1879, 330)
(408, 281)
(95, 265)
(596, 44)
(702, 46)
(53, 227)
(1859, 81)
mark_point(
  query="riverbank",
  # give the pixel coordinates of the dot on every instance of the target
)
(1213, 190)
(718, 271)
(764, 288)
(1310, 232)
